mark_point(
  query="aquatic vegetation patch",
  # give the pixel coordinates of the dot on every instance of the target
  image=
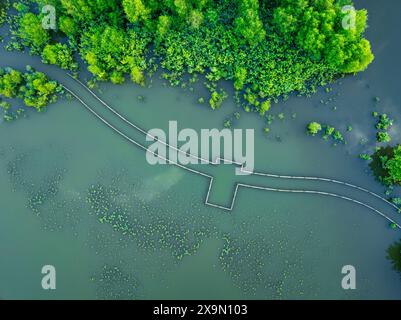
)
(327, 131)
(151, 225)
(41, 182)
(244, 260)
(112, 283)
(256, 265)
(384, 123)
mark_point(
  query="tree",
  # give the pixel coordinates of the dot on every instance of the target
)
(2, 12)
(217, 99)
(137, 76)
(225, 40)
(32, 33)
(182, 7)
(112, 51)
(316, 27)
(264, 107)
(136, 11)
(393, 167)
(195, 19)
(240, 78)
(248, 24)
(117, 77)
(10, 82)
(85, 11)
(38, 91)
(58, 54)
(314, 128)
(394, 255)
(383, 137)
(163, 26)
(68, 26)
(33, 87)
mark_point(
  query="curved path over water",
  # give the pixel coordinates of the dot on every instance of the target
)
(12, 59)
(217, 161)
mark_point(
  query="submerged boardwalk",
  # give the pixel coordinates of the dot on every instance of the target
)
(218, 161)
(73, 86)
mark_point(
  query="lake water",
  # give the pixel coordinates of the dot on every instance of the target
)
(62, 171)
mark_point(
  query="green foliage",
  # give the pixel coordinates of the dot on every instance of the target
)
(217, 99)
(87, 11)
(110, 53)
(393, 167)
(365, 157)
(329, 131)
(383, 137)
(386, 165)
(59, 54)
(264, 107)
(2, 12)
(249, 42)
(33, 87)
(5, 105)
(394, 255)
(316, 27)
(338, 136)
(136, 10)
(248, 24)
(227, 123)
(32, 33)
(68, 26)
(10, 82)
(384, 122)
(240, 78)
(314, 128)
(396, 201)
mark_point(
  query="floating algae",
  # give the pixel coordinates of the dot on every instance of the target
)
(151, 225)
(258, 262)
(40, 180)
(112, 283)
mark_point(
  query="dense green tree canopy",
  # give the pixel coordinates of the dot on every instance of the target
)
(34, 88)
(393, 167)
(386, 165)
(269, 49)
(248, 24)
(317, 26)
(112, 52)
(58, 54)
(394, 255)
(31, 31)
